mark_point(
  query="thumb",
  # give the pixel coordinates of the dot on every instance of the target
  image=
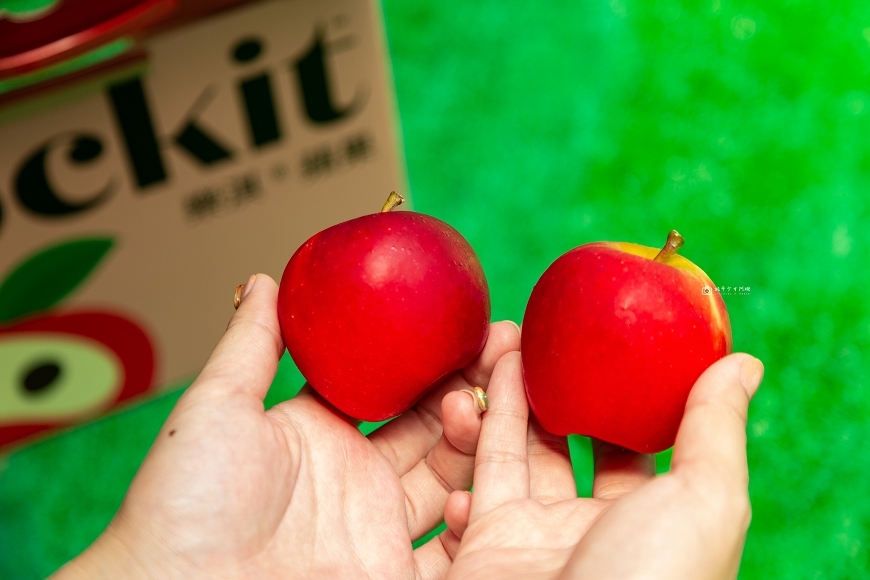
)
(712, 435)
(246, 357)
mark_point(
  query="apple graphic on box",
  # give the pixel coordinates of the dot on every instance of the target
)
(614, 336)
(376, 310)
(57, 369)
(35, 34)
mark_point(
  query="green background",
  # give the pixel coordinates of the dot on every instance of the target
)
(536, 127)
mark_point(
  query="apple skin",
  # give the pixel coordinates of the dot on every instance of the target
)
(124, 337)
(377, 310)
(613, 342)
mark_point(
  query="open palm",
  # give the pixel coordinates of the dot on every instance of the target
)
(524, 519)
(232, 491)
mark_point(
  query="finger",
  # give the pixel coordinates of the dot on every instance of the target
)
(405, 440)
(501, 471)
(551, 477)
(619, 471)
(712, 436)
(433, 559)
(503, 337)
(448, 466)
(246, 357)
(456, 512)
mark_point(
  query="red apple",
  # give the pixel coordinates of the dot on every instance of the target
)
(60, 368)
(614, 336)
(378, 309)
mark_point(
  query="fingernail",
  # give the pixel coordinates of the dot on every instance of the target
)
(517, 326)
(243, 290)
(249, 285)
(751, 374)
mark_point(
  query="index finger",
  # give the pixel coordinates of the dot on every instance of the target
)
(501, 469)
(712, 436)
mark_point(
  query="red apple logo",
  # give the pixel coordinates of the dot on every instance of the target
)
(57, 369)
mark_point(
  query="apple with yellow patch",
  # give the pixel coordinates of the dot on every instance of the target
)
(614, 336)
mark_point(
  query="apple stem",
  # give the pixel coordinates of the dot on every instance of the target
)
(392, 201)
(674, 243)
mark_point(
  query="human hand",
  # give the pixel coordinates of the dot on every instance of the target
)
(524, 520)
(229, 490)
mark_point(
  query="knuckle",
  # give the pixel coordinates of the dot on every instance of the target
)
(507, 413)
(499, 456)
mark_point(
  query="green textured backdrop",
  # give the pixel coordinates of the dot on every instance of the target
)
(535, 127)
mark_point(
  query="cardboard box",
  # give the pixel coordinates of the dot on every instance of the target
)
(131, 210)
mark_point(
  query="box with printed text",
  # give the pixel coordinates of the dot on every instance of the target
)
(133, 203)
